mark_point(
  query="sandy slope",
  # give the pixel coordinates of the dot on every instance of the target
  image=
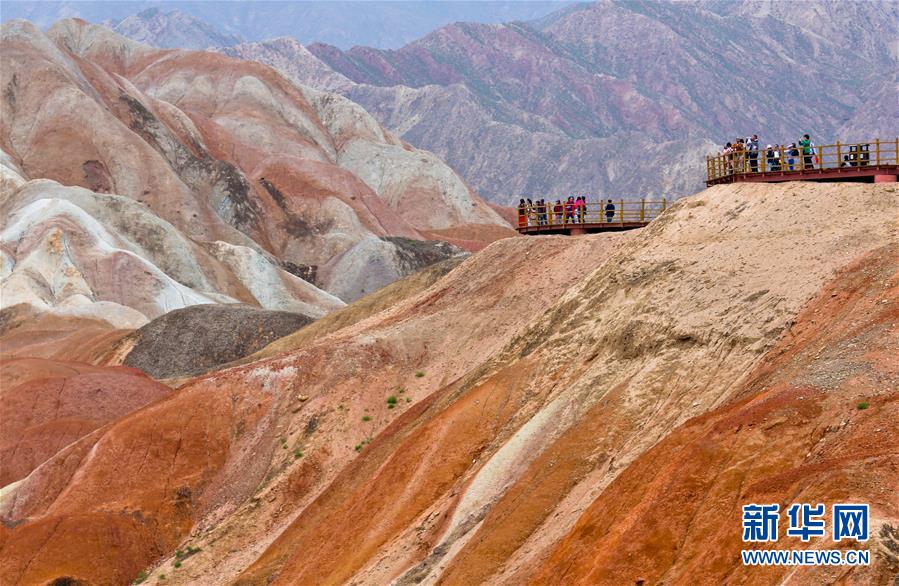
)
(794, 433)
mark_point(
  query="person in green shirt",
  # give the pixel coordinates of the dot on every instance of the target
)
(808, 152)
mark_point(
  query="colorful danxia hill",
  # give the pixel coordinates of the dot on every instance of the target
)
(250, 336)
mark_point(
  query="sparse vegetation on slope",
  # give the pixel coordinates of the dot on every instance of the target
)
(560, 374)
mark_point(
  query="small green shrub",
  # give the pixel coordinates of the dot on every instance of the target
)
(366, 418)
(141, 578)
(297, 454)
(162, 576)
(181, 554)
(863, 405)
(419, 374)
(408, 399)
(358, 447)
(391, 400)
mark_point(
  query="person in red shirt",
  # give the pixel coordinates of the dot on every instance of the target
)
(569, 210)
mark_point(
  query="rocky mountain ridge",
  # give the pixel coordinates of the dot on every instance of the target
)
(380, 23)
(171, 29)
(197, 178)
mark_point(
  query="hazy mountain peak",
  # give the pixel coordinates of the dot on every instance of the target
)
(172, 29)
(153, 12)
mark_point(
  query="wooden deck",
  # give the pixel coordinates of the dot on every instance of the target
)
(867, 174)
(585, 228)
(873, 161)
(628, 214)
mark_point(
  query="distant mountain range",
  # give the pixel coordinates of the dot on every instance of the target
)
(376, 23)
(622, 97)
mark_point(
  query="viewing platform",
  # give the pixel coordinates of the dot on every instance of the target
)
(867, 162)
(597, 216)
(874, 161)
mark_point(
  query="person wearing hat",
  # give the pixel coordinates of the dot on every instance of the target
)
(792, 153)
(752, 150)
(769, 158)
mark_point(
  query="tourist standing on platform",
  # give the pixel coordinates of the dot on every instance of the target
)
(583, 209)
(793, 153)
(569, 210)
(771, 161)
(808, 151)
(522, 214)
(728, 158)
(739, 156)
(558, 211)
(610, 211)
(752, 148)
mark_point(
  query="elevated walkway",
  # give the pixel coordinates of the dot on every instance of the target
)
(624, 214)
(870, 162)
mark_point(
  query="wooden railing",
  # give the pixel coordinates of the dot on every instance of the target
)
(785, 159)
(597, 211)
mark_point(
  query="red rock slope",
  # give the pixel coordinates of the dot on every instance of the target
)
(47, 413)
